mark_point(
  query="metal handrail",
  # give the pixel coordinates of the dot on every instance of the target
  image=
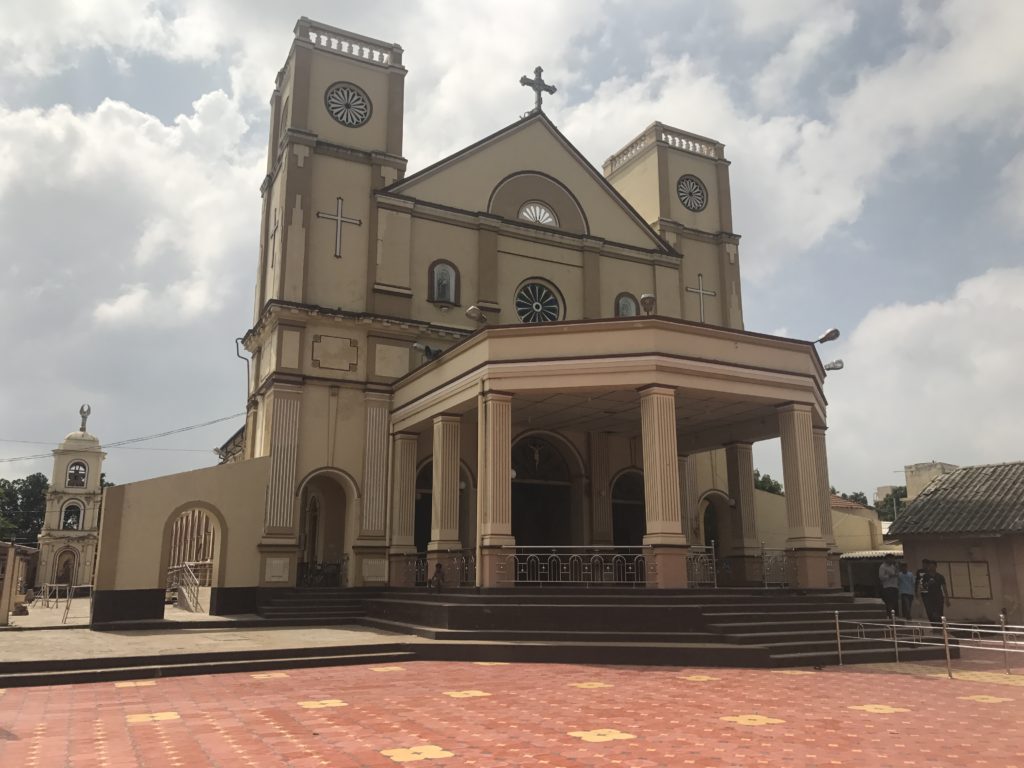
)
(190, 584)
(575, 564)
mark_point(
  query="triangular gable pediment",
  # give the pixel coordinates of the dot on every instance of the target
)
(467, 179)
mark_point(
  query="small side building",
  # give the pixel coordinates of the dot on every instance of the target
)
(971, 521)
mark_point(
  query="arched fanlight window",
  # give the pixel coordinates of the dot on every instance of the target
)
(78, 472)
(443, 283)
(71, 517)
(537, 212)
(626, 305)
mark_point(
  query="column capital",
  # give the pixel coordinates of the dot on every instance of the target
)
(447, 418)
(494, 395)
(795, 408)
(404, 436)
(377, 397)
(819, 430)
(656, 389)
(738, 444)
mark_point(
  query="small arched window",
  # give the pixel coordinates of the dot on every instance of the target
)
(537, 212)
(443, 283)
(77, 474)
(71, 517)
(626, 305)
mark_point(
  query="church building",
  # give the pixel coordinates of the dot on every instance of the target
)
(510, 363)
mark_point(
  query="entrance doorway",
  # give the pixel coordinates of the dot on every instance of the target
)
(629, 517)
(322, 559)
(541, 494)
(193, 544)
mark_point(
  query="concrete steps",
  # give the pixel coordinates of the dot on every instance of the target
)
(95, 670)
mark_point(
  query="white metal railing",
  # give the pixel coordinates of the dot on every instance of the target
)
(701, 568)
(457, 565)
(1003, 638)
(591, 565)
(777, 567)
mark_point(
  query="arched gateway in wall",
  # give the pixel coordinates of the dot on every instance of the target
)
(324, 517)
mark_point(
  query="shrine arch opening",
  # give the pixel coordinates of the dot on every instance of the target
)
(326, 499)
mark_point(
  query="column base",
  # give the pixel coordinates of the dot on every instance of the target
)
(810, 568)
(278, 561)
(402, 567)
(369, 565)
(496, 567)
(666, 561)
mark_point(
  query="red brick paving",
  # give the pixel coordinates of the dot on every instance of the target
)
(534, 715)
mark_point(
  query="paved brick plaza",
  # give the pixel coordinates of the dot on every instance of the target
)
(435, 713)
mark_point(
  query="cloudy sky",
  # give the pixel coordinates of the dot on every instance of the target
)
(878, 182)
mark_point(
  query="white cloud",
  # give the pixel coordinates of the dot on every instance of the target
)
(937, 380)
(129, 304)
(774, 85)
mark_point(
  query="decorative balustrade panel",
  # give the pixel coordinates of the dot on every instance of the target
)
(778, 569)
(458, 565)
(323, 574)
(689, 143)
(577, 565)
(358, 49)
(701, 568)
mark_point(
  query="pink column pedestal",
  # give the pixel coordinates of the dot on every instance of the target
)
(401, 570)
(811, 572)
(669, 562)
(496, 567)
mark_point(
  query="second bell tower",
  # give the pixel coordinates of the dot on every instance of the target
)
(335, 136)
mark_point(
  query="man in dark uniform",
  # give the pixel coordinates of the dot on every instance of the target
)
(934, 593)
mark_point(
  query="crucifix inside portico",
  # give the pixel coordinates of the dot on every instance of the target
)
(699, 290)
(538, 85)
(338, 218)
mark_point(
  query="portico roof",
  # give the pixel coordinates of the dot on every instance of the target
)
(587, 375)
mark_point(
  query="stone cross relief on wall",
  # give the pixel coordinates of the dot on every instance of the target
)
(338, 218)
(699, 290)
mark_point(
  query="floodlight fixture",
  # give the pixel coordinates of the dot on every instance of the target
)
(473, 312)
(431, 353)
(830, 335)
(835, 365)
(649, 302)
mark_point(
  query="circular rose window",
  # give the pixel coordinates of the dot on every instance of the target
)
(692, 193)
(537, 303)
(348, 104)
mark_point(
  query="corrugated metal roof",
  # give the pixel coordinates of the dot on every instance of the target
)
(988, 498)
(871, 554)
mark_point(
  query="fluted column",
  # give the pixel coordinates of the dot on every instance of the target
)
(375, 467)
(600, 490)
(739, 460)
(745, 554)
(825, 494)
(284, 448)
(444, 513)
(494, 485)
(803, 498)
(403, 509)
(661, 486)
(689, 498)
(824, 487)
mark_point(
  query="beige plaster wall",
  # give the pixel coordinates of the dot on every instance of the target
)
(136, 517)
(468, 183)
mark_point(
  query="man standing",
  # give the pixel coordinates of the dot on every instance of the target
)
(887, 575)
(907, 582)
(933, 593)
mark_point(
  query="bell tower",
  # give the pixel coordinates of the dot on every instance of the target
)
(70, 535)
(679, 183)
(335, 136)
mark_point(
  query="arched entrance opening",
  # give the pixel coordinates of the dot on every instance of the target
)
(65, 567)
(629, 518)
(721, 531)
(193, 545)
(322, 520)
(542, 498)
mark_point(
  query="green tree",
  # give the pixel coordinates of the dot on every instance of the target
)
(23, 506)
(859, 496)
(766, 483)
(894, 503)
